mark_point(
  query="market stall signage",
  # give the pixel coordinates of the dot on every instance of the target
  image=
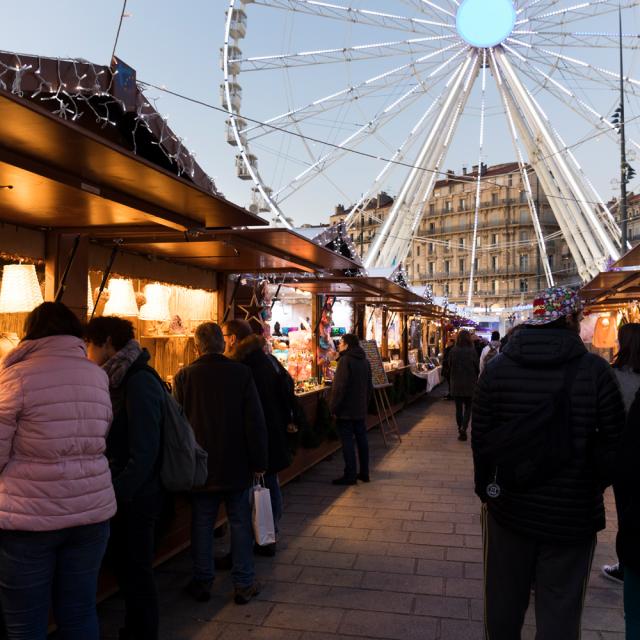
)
(378, 373)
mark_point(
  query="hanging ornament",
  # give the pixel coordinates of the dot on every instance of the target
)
(20, 290)
(253, 310)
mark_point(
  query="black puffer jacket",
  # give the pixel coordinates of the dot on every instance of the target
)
(529, 371)
(274, 398)
(627, 487)
(352, 386)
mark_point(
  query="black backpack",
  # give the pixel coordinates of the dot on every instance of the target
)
(530, 449)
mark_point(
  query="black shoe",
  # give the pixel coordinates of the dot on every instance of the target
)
(462, 435)
(344, 480)
(614, 572)
(242, 595)
(364, 477)
(267, 550)
(223, 563)
(199, 591)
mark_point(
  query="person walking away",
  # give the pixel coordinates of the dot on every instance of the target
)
(446, 366)
(133, 449)
(220, 400)
(242, 345)
(351, 392)
(547, 421)
(463, 362)
(626, 366)
(56, 496)
(627, 490)
(490, 351)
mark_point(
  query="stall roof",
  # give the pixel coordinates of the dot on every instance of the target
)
(629, 259)
(611, 288)
(63, 175)
(265, 250)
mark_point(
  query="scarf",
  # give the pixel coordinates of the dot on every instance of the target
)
(117, 366)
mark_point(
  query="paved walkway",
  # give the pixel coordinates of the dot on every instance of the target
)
(399, 558)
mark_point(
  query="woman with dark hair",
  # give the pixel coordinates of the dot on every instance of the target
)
(464, 365)
(56, 496)
(626, 366)
(133, 449)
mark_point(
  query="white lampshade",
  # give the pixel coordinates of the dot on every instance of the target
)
(157, 305)
(122, 298)
(20, 290)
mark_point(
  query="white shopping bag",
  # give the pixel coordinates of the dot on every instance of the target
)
(263, 527)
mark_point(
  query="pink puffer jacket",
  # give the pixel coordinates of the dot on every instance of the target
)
(55, 412)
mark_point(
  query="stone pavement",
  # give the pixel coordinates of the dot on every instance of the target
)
(399, 558)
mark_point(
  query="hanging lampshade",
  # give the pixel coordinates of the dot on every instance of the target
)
(122, 298)
(157, 305)
(20, 290)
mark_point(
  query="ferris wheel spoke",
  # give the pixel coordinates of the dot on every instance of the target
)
(340, 54)
(579, 13)
(373, 125)
(572, 39)
(533, 3)
(544, 14)
(371, 85)
(357, 15)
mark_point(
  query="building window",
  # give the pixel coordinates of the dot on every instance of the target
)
(447, 267)
(430, 247)
(462, 204)
(550, 261)
(461, 243)
(418, 251)
(510, 180)
(494, 286)
(418, 269)
(432, 209)
(370, 220)
(524, 235)
(524, 262)
(447, 245)
(431, 268)
(461, 265)
(494, 239)
(523, 197)
(448, 206)
(432, 227)
(524, 285)
(475, 265)
(494, 263)
(461, 287)
(475, 287)
(494, 198)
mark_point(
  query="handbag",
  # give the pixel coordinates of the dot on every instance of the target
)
(262, 516)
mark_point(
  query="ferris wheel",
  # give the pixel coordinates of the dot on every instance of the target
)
(347, 96)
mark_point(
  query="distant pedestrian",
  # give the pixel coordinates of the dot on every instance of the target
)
(133, 448)
(56, 496)
(446, 366)
(221, 402)
(627, 490)
(243, 345)
(547, 421)
(626, 366)
(463, 362)
(351, 392)
(491, 350)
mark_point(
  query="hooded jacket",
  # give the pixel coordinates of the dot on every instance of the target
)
(352, 385)
(55, 412)
(222, 405)
(274, 398)
(530, 370)
(463, 365)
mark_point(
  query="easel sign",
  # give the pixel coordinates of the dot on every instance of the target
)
(386, 418)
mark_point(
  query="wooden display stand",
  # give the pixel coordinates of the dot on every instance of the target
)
(386, 417)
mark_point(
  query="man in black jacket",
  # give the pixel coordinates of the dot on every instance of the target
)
(542, 491)
(221, 402)
(350, 394)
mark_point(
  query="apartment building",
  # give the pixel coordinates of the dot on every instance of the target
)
(508, 269)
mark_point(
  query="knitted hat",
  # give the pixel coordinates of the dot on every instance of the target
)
(553, 304)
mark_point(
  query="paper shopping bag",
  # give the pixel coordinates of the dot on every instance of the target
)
(263, 527)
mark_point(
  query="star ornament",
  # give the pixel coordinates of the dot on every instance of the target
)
(252, 310)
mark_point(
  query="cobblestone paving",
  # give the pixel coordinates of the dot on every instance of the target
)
(399, 558)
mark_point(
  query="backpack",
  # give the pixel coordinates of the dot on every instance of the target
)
(492, 353)
(183, 462)
(530, 449)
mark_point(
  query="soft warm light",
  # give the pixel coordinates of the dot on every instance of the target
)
(122, 298)
(157, 305)
(605, 321)
(20, 290)
(89, 297)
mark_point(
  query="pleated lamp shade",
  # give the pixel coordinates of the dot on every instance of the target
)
(122, 298)
(157, 305)
(20, 290)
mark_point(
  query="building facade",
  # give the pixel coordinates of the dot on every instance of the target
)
(508, 268)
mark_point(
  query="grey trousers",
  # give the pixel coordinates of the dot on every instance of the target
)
(513, 564)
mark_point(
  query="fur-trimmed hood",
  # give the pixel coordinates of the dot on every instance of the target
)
(247, 346)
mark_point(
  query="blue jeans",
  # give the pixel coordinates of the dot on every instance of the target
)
(632, 604)
(348, 430)
(272, 483)
(204, 511)
(40, 568)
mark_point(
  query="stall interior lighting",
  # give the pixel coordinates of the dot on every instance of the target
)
(20, 290)
(156, 306)
(122, 299)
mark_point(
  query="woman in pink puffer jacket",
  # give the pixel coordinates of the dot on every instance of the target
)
(56, 496)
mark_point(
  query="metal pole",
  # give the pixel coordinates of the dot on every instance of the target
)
(623, 150)
(63, 281)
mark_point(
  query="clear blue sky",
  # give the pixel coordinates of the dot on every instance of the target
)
(177, 45)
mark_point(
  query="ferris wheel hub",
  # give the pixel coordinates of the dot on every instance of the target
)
(485, 23)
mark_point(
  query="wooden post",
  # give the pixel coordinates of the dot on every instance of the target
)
(384, 341)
